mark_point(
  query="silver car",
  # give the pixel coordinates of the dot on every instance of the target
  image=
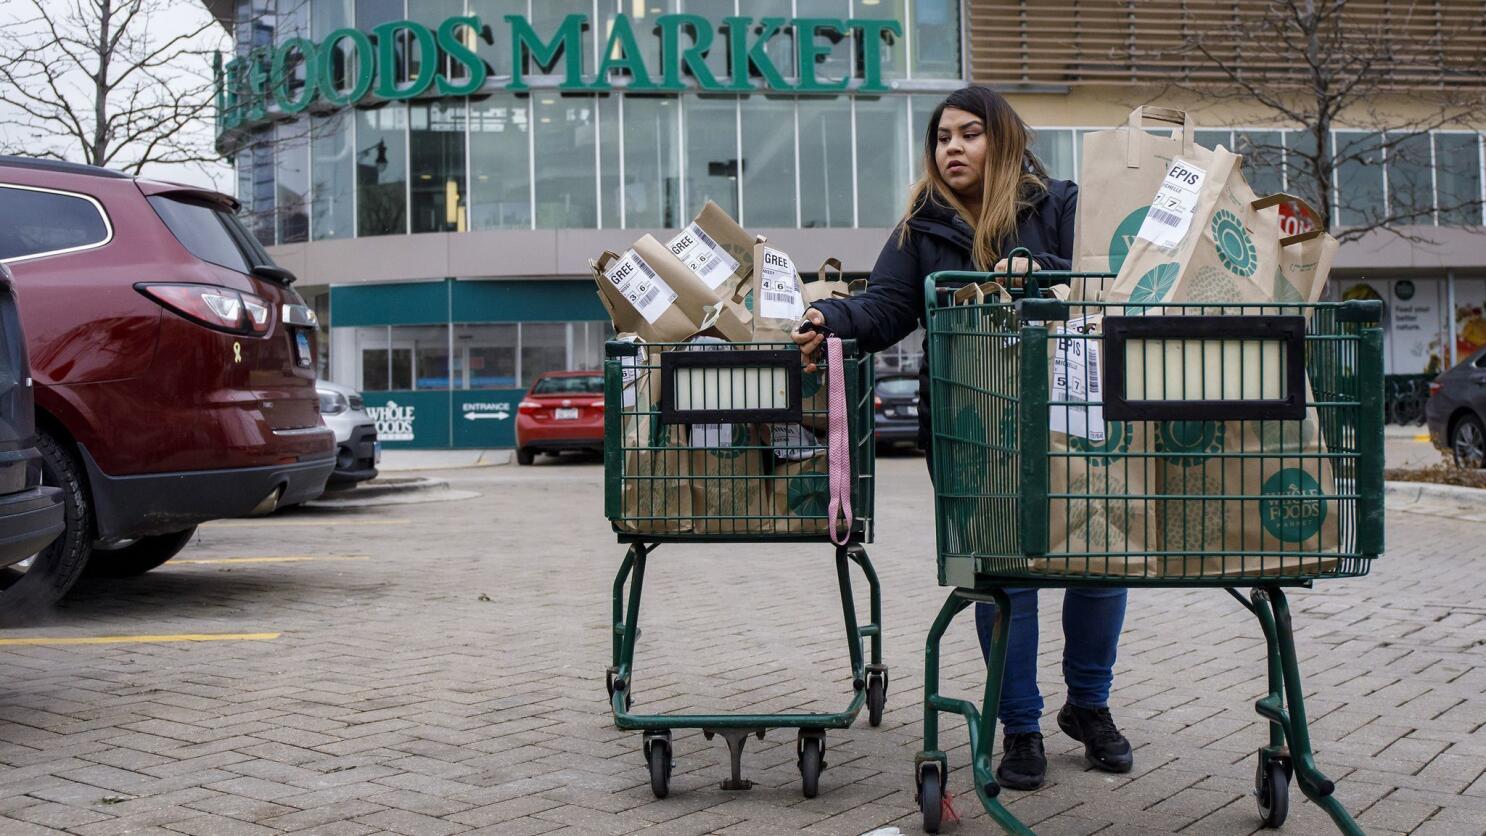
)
(357, 449)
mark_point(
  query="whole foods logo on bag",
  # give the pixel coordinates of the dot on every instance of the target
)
(1202, 439)
(1292, 507)
(1156, 284)
(809, 495)
(1117, 436)
(1235, 248)
(1124, 236)
(394, 422)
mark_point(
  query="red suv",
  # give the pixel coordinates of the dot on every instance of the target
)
(561, 411)
(173, 362)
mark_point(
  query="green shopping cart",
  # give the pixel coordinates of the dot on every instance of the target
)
(1181, 445)
(711, 442)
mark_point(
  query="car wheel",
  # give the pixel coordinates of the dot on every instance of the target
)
(137, 556)
(1468, 442)
(525, 455)
(41, 580)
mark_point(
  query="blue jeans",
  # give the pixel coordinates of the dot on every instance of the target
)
(1092, 618)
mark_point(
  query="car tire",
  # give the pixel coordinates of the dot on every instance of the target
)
(525, 455)
(1468, 441)
(138, 557)
(54, 569)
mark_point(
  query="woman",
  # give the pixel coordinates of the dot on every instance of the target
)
(983, 194)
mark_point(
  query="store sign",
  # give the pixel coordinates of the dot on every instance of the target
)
(350, 66)
(395, 422)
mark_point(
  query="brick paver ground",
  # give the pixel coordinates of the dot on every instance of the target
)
(452, 681)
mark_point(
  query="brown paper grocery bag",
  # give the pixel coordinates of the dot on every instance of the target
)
(656, 498)
(648, 292)
(720, 252)
(778, 302)
(801, 495)
(1119, 173)
(729, 488)
(1205, 240)
(1305, 259)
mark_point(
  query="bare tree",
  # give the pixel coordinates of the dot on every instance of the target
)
(1393, 73)
(115, 83)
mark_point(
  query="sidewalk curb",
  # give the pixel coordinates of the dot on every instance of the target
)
(1407, 492)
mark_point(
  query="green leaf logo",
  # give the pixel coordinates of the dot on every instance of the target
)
(748, 301)
(1284, 292)
(809, 495)
(1235, 247)
(1189, 437)
(1156, 284)
(1124, 236)
(1117, 435)
(1291, 506)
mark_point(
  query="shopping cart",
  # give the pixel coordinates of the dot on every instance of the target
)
(726, 443)
(1215, 445)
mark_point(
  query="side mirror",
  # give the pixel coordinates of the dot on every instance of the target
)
(273, 272)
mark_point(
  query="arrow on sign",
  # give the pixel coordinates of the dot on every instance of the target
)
(476, 416)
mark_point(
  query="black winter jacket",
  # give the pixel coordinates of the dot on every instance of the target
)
(939, 239)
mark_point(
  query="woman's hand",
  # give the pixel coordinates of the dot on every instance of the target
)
(1017, 267)
(809, 341)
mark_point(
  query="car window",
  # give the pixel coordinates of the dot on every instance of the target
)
(1480, 362)
(37, 222)
(898, 387)
(204, 230)
(587, 385)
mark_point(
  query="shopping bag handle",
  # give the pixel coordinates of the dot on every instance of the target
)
(1156, 113)
(1317, 227)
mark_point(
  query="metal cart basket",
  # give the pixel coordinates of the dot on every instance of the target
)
(712, 442)
(1180, 445)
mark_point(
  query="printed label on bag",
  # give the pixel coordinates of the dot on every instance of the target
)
(1170, 215)
(703, 256)
(1076, 378)
(638, 283)
(779, 287)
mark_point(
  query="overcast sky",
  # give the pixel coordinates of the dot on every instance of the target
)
(182, 16)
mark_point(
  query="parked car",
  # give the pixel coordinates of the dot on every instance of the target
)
(357, 452)
(561, 411)
(30, 513)
(1456, 411)
(174, 365)
(896, 404)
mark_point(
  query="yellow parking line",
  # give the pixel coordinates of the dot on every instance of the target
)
(178, 637)
(283, 559)
(316, 523)
(1422, 437)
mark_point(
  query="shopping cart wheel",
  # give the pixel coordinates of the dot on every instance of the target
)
(930, 798)
(812, 760)
(876, 698)
(658, 753)
(1272, 790)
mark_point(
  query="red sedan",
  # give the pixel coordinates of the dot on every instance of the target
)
(561, 411)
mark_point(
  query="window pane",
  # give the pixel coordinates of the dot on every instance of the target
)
(431, 13)
(769, 162)
(894, 55)
(500, 163)
(882, 160)
(781, 47)
(642, 20)
(1263, 159)
(420, 357)
(372, 13)
(714, 11)
(326, 17)
(544, 348)
(1212, 139)
(546, 19)
(936, 38)
(711, 154)
(484, 356)
(371, 345)
(1300, 148)
(835, 64)
(1410, 181)
(588, 344)
(293, 22)
(1055, 149)
(493, 14)
(566, 191)
(292, 181)
(332, 168)
(825, 162)
(200, 231)
(381, 170)
(1359, 177)
(609, 190)
(922, 109)
(652, 163)
(439, 198)
(258, 213)
(1457, 163)
(40, 222)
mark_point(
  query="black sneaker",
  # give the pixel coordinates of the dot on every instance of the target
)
(1104, 746)
(1023, 761)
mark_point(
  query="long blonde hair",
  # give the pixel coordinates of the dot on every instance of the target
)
(1011, 177)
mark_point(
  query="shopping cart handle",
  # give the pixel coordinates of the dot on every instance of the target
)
(808, 327)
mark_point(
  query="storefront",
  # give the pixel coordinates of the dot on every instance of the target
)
(438, 172)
